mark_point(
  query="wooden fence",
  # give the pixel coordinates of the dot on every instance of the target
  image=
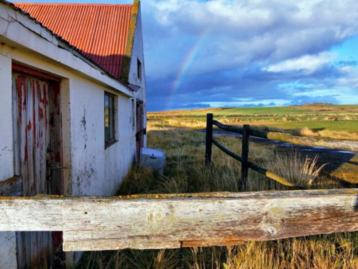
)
(162, 221)
(245, 131)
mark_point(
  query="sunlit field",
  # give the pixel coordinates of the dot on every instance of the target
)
(185, 172)
(320, 120)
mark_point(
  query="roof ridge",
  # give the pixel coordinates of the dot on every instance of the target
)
(69, 4)
(130, 40)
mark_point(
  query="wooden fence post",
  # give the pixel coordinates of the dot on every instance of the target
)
(245, 156)
(209, 138)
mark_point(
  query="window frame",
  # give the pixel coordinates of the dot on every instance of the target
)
(139, 69)
(111, 106)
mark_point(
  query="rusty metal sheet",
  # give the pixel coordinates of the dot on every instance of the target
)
(100, 31)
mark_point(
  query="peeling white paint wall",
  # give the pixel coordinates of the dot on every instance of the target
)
(6, 137)
(97, 170)
(7, 239)
(138, 53)
(87, 136)
(89, 167)
(8, 250)
(120, 155)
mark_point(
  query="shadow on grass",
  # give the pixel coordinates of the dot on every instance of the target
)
(354, 163)
(316, 130)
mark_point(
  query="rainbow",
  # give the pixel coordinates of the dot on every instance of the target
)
(185, 65)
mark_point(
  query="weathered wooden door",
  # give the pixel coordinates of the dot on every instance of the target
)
(140, 129)
(38, 156)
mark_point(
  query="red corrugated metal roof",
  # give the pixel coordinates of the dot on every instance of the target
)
(100, 31)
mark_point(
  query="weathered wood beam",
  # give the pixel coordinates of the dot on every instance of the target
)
(174, 221)
(38, 213)
(230, 128)
(208, 138)
(227, 151)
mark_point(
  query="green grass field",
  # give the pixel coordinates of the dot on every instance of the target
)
(304, 109)
(335, 122)
(347, 125)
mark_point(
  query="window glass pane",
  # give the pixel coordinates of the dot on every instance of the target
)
(106, 111)
(111, 118)
(139, 69)
(106, 118)
(109, 127)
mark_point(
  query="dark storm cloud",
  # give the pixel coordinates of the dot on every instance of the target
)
(230, 51)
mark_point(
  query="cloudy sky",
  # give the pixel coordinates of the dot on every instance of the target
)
(248, 52)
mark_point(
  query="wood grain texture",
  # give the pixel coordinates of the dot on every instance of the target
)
(167, 223)
(183, 220)
(30, 214)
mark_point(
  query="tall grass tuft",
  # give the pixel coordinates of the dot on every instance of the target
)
(295, 168)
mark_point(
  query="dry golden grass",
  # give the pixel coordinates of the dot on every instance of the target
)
(185, 172)
(269, 122)
(305, 131)
(337, 135)
(295, 168)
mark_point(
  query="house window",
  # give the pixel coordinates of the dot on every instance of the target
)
(139, 69)
(133, 114)
(109, 119)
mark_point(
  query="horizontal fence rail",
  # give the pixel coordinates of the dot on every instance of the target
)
(162, 221)
(246, 131)
(258, 169)
(298, 140)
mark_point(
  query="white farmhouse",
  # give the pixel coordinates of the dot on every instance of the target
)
(72, 108)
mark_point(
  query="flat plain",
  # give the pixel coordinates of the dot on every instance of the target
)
(315, 125)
